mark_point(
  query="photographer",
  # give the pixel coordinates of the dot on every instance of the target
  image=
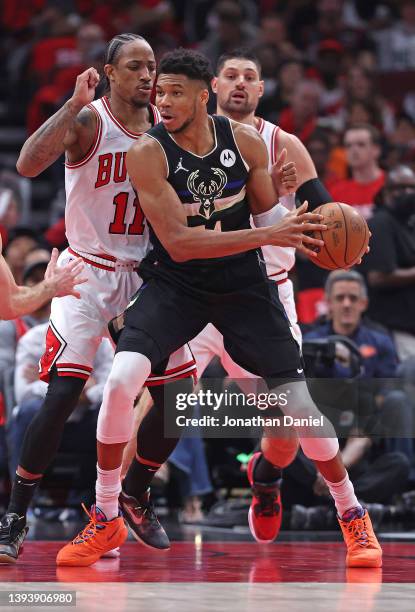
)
(378, 475)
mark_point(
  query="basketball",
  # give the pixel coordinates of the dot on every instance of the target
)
(345, 240)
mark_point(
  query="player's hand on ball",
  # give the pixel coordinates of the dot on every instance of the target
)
(292, 230)
(359, 261)
(63, 280)
(284, 175)
(85, 86)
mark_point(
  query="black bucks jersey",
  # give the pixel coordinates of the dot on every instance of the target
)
(177, 300)
(211, 188)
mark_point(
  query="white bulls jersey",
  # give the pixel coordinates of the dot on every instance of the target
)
(277, 259)
(103, 214)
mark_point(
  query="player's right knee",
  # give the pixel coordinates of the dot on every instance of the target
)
(280, 451)
(115, 420)
(128, 374)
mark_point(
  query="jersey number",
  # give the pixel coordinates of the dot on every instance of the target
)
(118, 225)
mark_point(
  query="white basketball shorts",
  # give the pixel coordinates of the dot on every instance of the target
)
(77, 326)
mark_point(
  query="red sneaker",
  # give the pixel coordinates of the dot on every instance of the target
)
(265, 512)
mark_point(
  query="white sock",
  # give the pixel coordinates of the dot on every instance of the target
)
(108, 488)
(343, 495)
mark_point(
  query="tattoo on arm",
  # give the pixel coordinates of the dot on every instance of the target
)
(47, 143)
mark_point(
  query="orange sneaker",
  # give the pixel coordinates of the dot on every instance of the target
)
(363, 548)
(96, 539)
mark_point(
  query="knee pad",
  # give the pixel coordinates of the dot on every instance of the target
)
(115, 420)
(316, 433)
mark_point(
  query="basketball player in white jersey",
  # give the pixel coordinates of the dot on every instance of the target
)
(238, 87)
(106, 229)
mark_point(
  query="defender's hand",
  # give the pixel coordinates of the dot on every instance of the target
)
(63, 280)
(284, 175)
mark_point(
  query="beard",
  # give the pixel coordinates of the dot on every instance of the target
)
(140, 103)
(185, 123)
(238, 108)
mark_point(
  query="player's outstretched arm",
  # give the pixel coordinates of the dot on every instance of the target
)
(147, 169)
(309, 187)
(293, 229)
(16, 301)
(70, 129)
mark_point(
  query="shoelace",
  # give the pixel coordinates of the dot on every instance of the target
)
(267, 505)
(90, 530)
(6, 529)
(147, 510)
(357, 529)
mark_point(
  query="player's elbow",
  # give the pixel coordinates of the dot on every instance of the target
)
(7, 312)
(178, 253)
(179, 248)
(25, 169)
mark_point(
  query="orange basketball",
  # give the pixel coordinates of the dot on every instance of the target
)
(345, 240)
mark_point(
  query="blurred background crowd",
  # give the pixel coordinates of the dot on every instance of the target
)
(340, 74)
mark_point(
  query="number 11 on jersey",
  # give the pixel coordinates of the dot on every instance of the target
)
(118, 224)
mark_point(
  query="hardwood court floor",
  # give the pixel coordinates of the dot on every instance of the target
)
(197, 576)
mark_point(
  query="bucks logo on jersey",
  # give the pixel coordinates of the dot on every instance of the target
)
(206, 191)
(212, 187)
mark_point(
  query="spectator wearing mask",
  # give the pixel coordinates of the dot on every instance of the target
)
(390, 265)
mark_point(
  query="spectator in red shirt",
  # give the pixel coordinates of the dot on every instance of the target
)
(362, 144)
(301, 118)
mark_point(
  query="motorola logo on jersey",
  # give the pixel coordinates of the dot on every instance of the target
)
(207, 191)
(227, 158)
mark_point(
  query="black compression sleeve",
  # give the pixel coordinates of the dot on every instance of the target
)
(314, 192)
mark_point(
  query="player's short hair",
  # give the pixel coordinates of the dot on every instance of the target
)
(239, 53)
(369, 128)
(114, 47)
(190, 63)
(345, 275)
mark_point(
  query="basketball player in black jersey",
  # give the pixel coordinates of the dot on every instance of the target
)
(200, 178)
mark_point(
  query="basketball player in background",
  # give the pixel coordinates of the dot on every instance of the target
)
(195, 276)
(16, 300)
(238, 88)
(106, 229)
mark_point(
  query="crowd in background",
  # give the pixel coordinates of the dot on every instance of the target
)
(340, 74)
